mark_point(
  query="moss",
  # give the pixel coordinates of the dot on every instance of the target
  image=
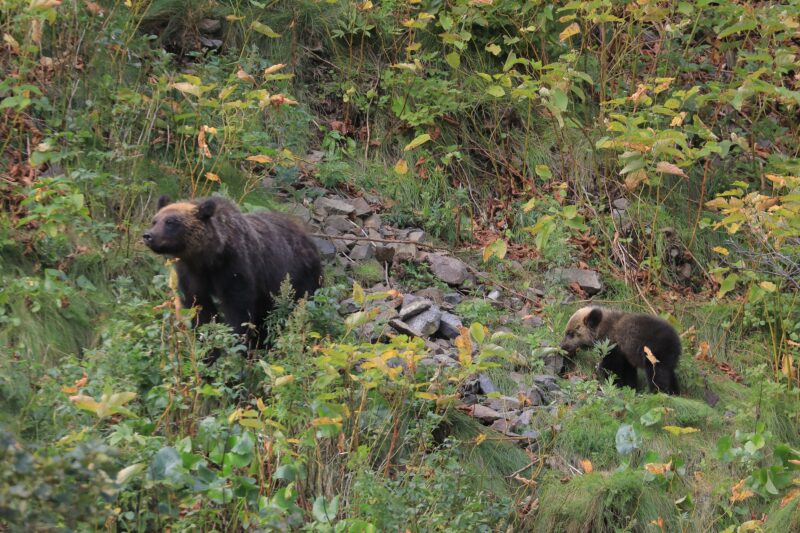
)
(368, 272)
(601, 502)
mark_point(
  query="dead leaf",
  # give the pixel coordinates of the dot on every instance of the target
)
(739, 493)
(260, 158)
(244, 76)
(201, 143)
(401, 167)
(280, 99)
(634, 179)
(658, 469)
(82, 381)
(641, 92)
(210, 176)
(569, 31)
(586, 465)
(650, 357)
(273, 68)
(95, 9)
(703, 352)
(668, 168)
(791, 495)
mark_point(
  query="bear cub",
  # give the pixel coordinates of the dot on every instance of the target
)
(630, 333)
(231, 262)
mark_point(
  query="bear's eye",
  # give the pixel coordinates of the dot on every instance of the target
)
(570, 334)
(170, 222)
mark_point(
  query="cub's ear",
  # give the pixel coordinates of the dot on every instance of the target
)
(593, 318)
(163, 201)
(206, 208)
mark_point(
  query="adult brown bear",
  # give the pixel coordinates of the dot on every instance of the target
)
(231, 262)
(631, 334)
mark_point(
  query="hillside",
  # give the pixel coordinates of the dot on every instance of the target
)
(472, 172)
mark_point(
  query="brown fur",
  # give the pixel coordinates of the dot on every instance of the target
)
(233, 261)
(630, 333)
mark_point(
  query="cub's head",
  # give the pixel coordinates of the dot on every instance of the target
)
(178, 226)
(581, 329)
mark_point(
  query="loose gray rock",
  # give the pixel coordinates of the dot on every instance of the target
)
(340, 223)
(431, 293)
(334, 206)
(503, 426)
(546, 381)
(448, 269)
(361, 252)
(373, 222)
(404, 252)
(413, 306)
(621, 204)
(449, 325)
(348, 307)
(485, 414)
(209, 25)
(486, 385)
(554, 364)
(300, 212)
(404, 328)
(452, 298)
(427, 322)
(588, 280)
(523, 420)
(326, 248)
(416, 235)
(534, 396)
(360, 207)
(444, 360)
(504, 404)
(494, 295)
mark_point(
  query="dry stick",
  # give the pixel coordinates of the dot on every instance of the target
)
(431, 247)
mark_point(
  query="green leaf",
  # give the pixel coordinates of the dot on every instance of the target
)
(166, 465)
(453, 59)
(493, 49)
(652, 417)
(418, 141)
(543, 171)
(727, 285)
(264, 29)
(325, 511)
(127, 473)
(496, 91)
(478, 332)
(358, 294)
(497, 249)
(559, 99)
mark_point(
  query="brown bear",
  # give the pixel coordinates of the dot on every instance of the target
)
(233, 262)
(630, 333)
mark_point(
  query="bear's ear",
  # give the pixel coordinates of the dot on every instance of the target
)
(206, 208)
(163, 201)
(593, 318)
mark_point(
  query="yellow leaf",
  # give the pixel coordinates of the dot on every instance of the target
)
(210, 176)
(260, 404)
(569, 31)
(677, 430)
(668, 168)
(426, 396)
(69, 390)
(233, 18)
(358, 294)
(663, 84)
(273, 68)
(721, 250)
(677, 120)
(750, 525)
(768, 286)
(326, 421)
(242, 75)
(587, 466)
(703, 352)
(186, 87)
(128, 472)
(87, 403)
(401, 167)
(480, 2)
(11, 42)
(648, 353)
(658, 469)
(634, 179)
(284, 380)
(419, 140)
(791, 495)
(366, 6)
(480, 438)
(259, 158)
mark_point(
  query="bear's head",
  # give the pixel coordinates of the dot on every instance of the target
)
(581, 329)
(178, 226)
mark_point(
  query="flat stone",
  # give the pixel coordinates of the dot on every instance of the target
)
(494, 295)
(340, 223)
(448, 269)
(404, 252)
(452, 298)
(299, 211)
(404, 328)
(504, 403)
(334, 206)
(373, 222)
(362, 252)
(416, 235)
(534, 396)
(315, 156)
(554, 364)
(523, 420)
(546, 381)
(486, 385)
(327, 250)
(503, 426)
(588, 280)
(413, 306)
(427, 322)
(431, 293)
(444, 360)
(485, 414)
(209, 25)
(360, 207)
(348, 307)
(449, 325)
(620, 204)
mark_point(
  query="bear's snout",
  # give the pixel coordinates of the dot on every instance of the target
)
(147, 237)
